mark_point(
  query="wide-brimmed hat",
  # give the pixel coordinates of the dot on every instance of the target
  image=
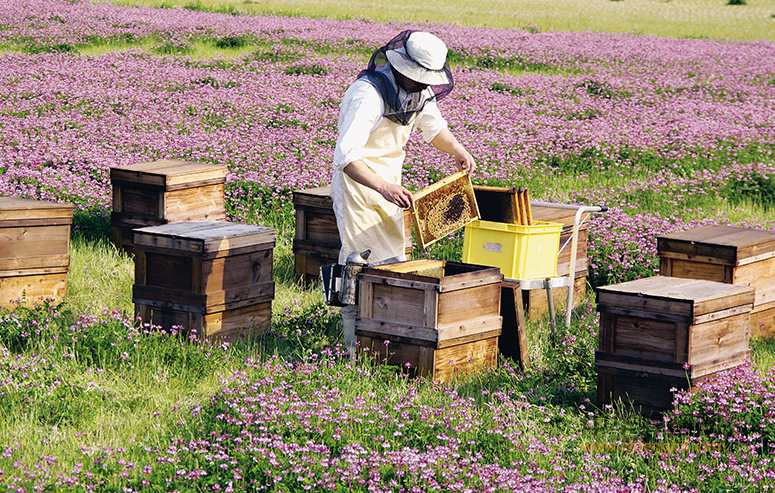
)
(422, 59)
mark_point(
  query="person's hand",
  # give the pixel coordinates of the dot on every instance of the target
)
(464, 160)
(397, 195)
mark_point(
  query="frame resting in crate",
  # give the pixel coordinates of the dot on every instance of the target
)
(34, 249)
(662, 332)
(432, 317)
(726, 254)
(162, 192)
(215, 277)
(317, 240)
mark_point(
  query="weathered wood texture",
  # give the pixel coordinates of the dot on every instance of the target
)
(317, 240)
(163, 192)
(727, 254)
(438, 317)
(646, 389)
(212, 276)
(34, 249)
(668, 327)
(565, 217)
(513, 340)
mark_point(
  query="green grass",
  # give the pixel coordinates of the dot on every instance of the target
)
(673, 18)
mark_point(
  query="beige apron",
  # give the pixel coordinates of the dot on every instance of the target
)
(365, 219)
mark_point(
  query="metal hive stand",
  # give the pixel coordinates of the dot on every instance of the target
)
(550, 283)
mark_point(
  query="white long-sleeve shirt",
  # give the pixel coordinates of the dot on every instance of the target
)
(361, 112)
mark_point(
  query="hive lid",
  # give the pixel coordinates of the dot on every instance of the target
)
(673, 296)
(443, 208)
(726, 244)
(314, 197)
(170, 173)
(16, 209)
(209, 238)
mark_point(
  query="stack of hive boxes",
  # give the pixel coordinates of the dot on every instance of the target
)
(34, 249)
(192, 268)
(433, 317)
(660, 333)
(726, 254)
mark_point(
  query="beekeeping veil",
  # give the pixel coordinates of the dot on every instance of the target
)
(419, 56)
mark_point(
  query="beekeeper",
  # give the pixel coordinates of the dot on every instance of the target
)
(395, 94)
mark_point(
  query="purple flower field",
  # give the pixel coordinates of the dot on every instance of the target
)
(537, 109)
(669, 133)
(326, 423)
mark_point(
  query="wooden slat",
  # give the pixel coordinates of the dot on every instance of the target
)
(316, 248)
(716, 341)
(313, 197)
(397, 304)
(236, 271)
(466, 304)
(241, 323)
(34, 242)
(33, 287)
(203, 203)
(513, 340)
(36, 222)
(16, 209)
(465, 358)
(625, 362)
(700, 270)
(645, 338)
(18, 264)
(168, 173)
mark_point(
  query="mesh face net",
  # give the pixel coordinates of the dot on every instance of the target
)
(376, 74)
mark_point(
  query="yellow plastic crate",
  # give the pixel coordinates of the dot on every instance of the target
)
(521, 252)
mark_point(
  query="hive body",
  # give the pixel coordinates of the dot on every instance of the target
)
(215, 277)
(438, 317)
(163, 192)
(727, 254)
(34, 249)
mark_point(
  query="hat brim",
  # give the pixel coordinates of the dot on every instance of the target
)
(407, 67)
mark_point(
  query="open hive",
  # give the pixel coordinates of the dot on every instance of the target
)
(443, 207)
(432, 317)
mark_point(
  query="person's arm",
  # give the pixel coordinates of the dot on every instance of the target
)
(446, 142)
(396, 194)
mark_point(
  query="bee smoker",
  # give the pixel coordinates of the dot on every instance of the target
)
(354, 265)
(340, 283)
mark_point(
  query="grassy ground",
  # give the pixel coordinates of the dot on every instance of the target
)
(674, 18)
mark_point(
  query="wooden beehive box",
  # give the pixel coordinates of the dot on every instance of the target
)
(662, 332)
(438, 317)
(317, 235)
(726, 254)
(34, 249)
(163, 192)
(215, 277)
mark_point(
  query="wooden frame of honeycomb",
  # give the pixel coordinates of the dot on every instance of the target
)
(443, 208)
